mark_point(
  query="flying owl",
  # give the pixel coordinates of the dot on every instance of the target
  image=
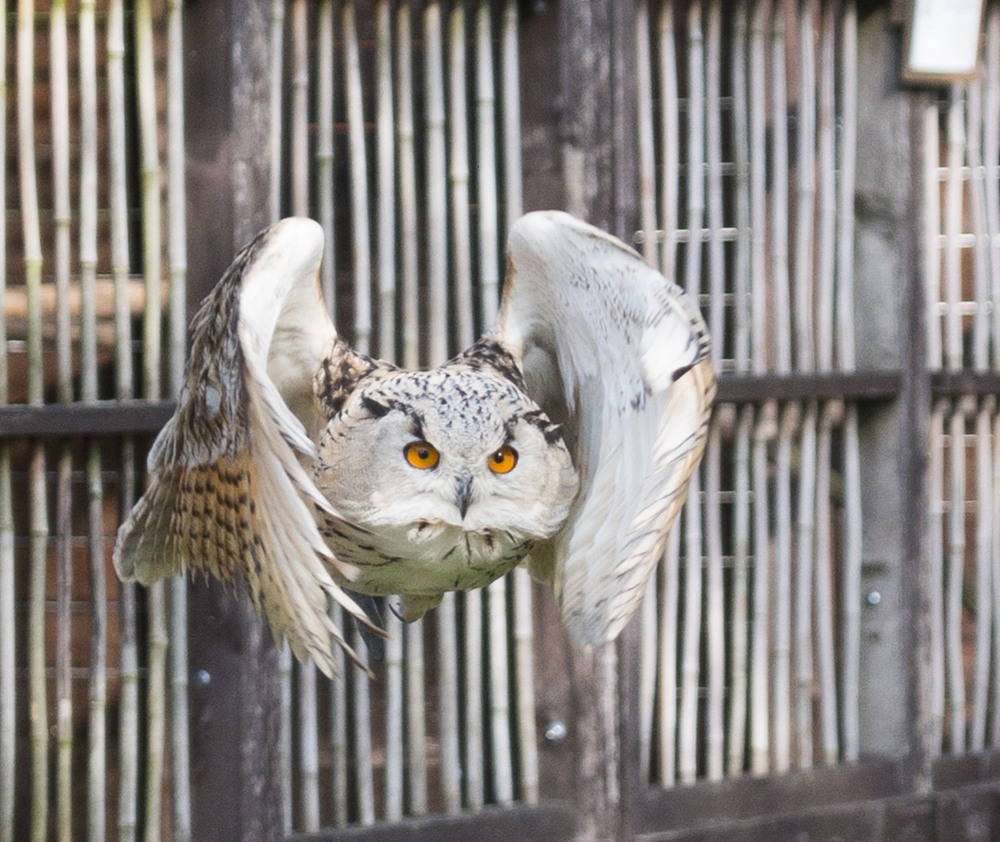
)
(563, 440)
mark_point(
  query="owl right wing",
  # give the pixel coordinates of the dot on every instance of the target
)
(227, 491)
(619, 355)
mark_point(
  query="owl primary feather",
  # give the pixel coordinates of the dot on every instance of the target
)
(562, 440)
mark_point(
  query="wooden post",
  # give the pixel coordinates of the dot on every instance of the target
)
(235, 695)
(581, 155)
(895, 647)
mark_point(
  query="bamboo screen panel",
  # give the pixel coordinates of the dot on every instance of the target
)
(751, 632)
(400, 134)
(962, 214)
(92, 290)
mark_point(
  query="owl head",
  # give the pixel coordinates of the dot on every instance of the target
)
(448, 446)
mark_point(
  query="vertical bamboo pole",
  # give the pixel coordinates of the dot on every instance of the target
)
(277, 149)
(408, 224)
(789, 420)
(360, 232)
(760, 702)
(458, 179)
(59, 109)
(8, 701)
(486, 170)
(826, 278)
(983, 467)
(128, 801)
(298, 153)
(97, 683)
(489, 284)
(715, 597)
(647, 223)
(805, 353)
(395, 763)
(436, 220)
(736, 754)
(690, 660)
(276, 91)
(851, 577)
(325, 172)
(984, 572)
(463, 319)
(670, 138)
(177, 272)
(954, 578)
(957, 146)
(935, 470)
(991, 155)
(511, 94)
(935, 540)
(386, 174)
(339, 717)
(667, 691)
(647, 142)
(523, 623)
(416, 740)
(157, 641)
(437, 277)
(38, 707)
(363, 776)
(741, 350)
(395, 715)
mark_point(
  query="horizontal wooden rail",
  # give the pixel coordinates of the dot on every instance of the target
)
(106, 418)
(145, 417)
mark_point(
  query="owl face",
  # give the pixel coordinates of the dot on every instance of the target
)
(446, 448)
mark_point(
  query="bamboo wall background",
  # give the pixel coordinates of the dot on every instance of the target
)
(94, 298)
(748, 142)
(399, 130)
(962, 214)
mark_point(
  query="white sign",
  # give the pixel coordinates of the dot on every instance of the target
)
(943, 38)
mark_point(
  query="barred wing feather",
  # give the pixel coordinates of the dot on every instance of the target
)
(227, 490)
(620, 356)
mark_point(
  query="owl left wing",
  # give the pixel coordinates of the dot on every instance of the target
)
(227, 491)
(618, 354)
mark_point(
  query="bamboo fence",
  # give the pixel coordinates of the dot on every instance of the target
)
(755, 669)
(751, 630)
(962, 222)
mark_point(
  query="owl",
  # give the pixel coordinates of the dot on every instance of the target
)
(562, 440)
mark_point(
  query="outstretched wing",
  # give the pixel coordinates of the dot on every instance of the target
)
(618, 354)
(227, 492)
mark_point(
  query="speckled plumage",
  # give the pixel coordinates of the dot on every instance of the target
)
(564, 440)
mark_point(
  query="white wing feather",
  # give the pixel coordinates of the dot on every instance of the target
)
(620, 355)
(227, 490)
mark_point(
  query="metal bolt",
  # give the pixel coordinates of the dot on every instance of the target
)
(556, 731)
(873, 598)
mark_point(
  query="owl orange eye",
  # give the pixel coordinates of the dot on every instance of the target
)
(420, 454)
(504, 460)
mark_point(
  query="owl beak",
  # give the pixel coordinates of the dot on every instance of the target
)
(463, 492)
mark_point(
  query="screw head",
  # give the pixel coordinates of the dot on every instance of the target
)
(556, 731)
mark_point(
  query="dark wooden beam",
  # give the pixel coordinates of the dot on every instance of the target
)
(148, 417)
(547, 823)
(109, 418)
(236, 790)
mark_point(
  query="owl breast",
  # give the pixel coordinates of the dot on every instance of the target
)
(424, 558)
